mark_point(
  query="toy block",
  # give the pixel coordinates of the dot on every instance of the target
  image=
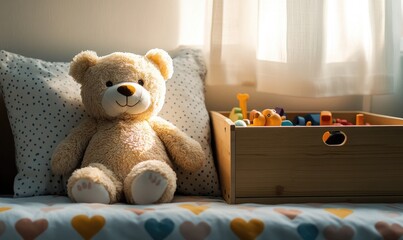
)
(326, 118)
(259, 119)
(280, 111)
(314, 118)
(252, 115)
(299, 121)
(240, 123)
(359, 119)
(243, 99)
(272, 118)
(287, 123)
(236, 114)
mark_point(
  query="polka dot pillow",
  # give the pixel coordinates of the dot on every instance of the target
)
(185, 107)
(43, 103)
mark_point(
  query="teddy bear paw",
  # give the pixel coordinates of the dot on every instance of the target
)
(87, 191)
(148, 187)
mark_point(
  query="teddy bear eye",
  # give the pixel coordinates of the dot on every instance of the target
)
(140, 82)
(109, 83)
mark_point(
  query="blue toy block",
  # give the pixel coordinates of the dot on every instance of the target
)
(286, 123)
(313, 117)
(299, 121)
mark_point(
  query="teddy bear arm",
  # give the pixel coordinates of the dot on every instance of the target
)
(69, 152)
(186, 152)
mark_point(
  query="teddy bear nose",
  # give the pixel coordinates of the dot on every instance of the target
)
(126, 90)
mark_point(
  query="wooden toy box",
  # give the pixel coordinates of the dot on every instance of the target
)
(293, 164)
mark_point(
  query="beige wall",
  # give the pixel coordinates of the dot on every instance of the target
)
(56, 30)
(390, 104)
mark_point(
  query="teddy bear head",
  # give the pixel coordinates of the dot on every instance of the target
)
(122, 85)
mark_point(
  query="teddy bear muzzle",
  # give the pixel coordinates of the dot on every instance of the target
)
(130, 98)
(126, 90)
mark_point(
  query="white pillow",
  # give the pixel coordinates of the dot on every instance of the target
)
(185, 107)
(43, 103)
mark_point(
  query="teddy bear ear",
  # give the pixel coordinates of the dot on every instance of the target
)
(162, 59)
(80, 64)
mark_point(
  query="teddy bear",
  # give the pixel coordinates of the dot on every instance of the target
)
(123, 151)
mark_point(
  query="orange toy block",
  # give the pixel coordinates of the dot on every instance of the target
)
(243, 100)
(359, 119)
(272, 118)
(326, 118)
(252, 115)
(259, 119)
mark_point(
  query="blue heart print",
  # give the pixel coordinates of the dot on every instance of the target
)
(308, 231)
(159, 230)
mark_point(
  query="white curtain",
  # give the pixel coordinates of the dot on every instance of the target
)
(306, 48)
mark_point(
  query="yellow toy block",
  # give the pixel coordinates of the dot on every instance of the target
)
(243, 99)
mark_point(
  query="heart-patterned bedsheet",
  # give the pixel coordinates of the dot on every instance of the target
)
(51, 217)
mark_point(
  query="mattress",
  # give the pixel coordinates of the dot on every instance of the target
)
(56, 217)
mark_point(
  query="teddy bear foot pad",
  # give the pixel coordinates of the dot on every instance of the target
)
(87, 191)
(148, 187)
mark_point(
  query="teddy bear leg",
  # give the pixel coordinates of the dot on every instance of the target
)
(149, 182)
(94, 184)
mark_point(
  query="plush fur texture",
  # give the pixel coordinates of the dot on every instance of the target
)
(123, 137)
